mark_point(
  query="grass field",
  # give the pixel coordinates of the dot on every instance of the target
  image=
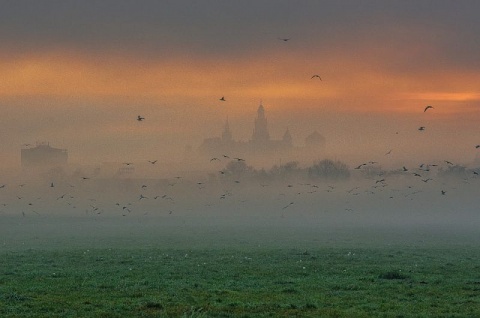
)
(358, 278)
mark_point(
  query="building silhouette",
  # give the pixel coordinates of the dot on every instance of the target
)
(315, 140)
(260, 134)
(43, 155)
(260, 143)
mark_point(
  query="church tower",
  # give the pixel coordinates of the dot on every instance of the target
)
(260, 131)
(227, 134)
(287, 139)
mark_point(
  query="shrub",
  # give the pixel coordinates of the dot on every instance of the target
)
(329, 170)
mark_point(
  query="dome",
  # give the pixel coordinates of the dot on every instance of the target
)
(315, 140)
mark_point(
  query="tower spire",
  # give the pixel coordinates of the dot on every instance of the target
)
(227, 134)
(260, 132)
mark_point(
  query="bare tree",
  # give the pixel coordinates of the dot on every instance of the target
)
(329, 170)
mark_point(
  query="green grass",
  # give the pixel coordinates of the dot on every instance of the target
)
(235, 282)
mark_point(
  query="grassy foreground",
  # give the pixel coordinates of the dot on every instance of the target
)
(323, 282)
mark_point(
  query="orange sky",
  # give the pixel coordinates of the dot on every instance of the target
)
(78, 77)
(270, 76)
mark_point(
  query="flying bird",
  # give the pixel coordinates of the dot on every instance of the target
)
(316, 75)
(223, 99)
(284, 39)
(422, 128)
(427, 108)
(477, 146)
(140, 118)
(291, 203)
(153, 162)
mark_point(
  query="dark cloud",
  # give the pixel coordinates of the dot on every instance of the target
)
(237, 27)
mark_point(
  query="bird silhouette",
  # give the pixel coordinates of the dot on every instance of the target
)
(360, 166)
(140, 118)
(316, 75)
(291, 203)
(284, 39)
(223, 99)
(477, 146)
(427, 108)
(153, 162)
(422, 128)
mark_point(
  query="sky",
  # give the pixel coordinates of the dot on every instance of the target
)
(78, 73)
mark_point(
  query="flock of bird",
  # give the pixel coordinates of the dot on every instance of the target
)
(94, 195)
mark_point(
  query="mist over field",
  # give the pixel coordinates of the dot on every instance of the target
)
(286, 205)
(239, 158)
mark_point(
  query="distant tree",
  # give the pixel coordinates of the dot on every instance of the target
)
(286, 171)
(262, 175)
(237, 169)
(329, 170)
